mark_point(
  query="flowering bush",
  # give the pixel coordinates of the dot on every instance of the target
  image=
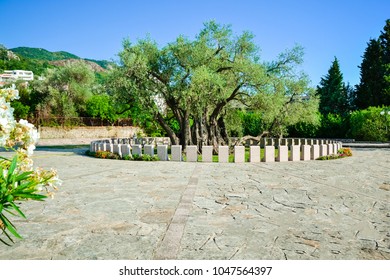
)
(344, 152)
(109, 155)
(19, 181)
(341, 153)
(106, 154)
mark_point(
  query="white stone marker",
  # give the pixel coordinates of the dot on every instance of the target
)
(305, 153)
(162, 152)
(125, 150)
(254, 154)
(223, 153)
(315, 152)
(149, 150)
(137, 150)
(176, 152)
(330, 149)
(283, 154)
(101, 146)
(239, 153)
(108, 147)
(192, 153)
(335, 148)
(207, 153)
(269, 153)
(323, 150)
(116, 149)
(295, 153)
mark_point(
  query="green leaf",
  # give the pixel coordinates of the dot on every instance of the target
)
(26, 185)
(8, 236)
(9, 226)
(23, 176)
(13, 166)
(31, 196)
(17, 210)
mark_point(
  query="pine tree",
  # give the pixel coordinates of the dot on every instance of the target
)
(333, 92)
(385, 44)
(374, 87)
(369, 91)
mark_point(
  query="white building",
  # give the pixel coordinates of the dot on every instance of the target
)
(10, 76)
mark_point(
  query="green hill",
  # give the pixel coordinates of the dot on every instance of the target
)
(42, 54)
(45, 55)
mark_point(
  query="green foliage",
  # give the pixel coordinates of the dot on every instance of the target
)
(304, 130)
(6, 63)
(39, 54)
(65, 90)
(109, 155)
(15, 185)
(332, 92)
(251, 123)
(333, 126)
(370, 125)
(101, 106)
(102, 63)
(234, 123)
(205, 80)
(374, 86)
(106, 155)
(42, 54)
(369, 90)
(145, 157)
(21, 111)
(341, 153)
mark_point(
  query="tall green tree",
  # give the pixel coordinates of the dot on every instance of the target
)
(64, 91)
(369, 90)
(198, 82)
(332, 92)
(384, 39)
(374, 86)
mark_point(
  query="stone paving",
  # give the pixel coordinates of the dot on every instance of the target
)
(108, 209)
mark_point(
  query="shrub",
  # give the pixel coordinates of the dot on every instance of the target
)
(333, 126)
(145, 157)
(341, 153)
(105, 154)
(344, 152)
(369, 125)
(109, 155)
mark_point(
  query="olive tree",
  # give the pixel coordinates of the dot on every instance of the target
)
(197, 82)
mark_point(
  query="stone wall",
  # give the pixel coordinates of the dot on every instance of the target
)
(87, 132)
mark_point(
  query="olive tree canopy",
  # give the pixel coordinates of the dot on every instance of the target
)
(196, 82)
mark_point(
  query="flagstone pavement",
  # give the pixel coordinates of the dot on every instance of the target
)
(111, 209)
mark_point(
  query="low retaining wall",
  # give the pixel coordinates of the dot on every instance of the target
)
(288, 150)
(92, 132)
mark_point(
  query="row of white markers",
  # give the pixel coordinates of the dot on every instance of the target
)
(305, 151)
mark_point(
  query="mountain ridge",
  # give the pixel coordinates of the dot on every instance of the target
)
(45, 55)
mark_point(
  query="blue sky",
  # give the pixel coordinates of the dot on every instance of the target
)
(96, 28)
